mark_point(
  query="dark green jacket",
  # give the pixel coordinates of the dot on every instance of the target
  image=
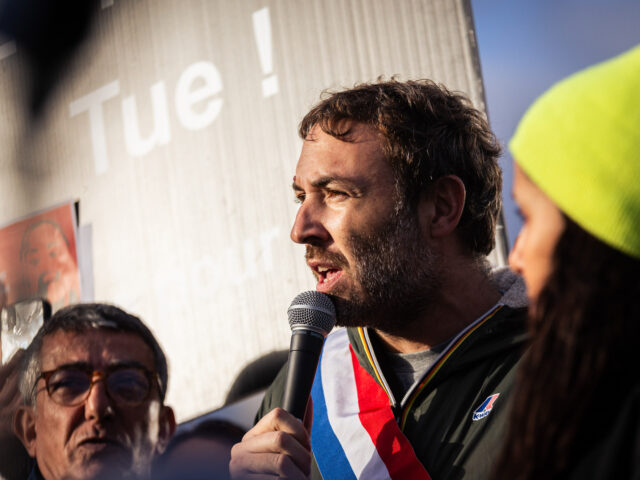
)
(438, 418)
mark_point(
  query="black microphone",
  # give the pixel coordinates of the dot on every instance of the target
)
(311, 317)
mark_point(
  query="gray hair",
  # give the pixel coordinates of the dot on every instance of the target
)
(81, 318)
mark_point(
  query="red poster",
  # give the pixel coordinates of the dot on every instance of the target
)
(38, 257)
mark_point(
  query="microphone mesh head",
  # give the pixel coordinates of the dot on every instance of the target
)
(312, 309)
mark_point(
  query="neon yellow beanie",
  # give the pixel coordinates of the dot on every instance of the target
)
(580, 144)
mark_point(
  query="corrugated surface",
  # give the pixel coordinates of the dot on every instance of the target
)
(191, 228)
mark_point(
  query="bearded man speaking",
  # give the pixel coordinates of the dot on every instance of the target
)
(399, 191)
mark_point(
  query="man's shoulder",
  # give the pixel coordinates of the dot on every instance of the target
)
(508, 325)
(495, 345)
(510, 319)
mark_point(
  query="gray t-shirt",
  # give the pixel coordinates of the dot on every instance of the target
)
(403, 369)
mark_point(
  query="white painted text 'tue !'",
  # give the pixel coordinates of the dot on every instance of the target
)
(196, 107)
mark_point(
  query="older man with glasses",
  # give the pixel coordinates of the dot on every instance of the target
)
(93, 383)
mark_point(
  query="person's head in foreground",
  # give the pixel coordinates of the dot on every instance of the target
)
(93, 383)
(577, 182)
(200, 453)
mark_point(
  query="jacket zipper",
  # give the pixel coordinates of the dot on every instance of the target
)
(400, 411)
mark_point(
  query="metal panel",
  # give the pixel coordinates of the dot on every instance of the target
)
(188, 197)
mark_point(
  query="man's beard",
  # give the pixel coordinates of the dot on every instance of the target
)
(396, 276)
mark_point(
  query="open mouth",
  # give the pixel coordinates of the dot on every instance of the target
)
(327, 277)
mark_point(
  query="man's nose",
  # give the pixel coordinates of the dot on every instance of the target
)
(308, 227)
(98, 404)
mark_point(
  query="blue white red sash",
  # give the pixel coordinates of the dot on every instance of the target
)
(354, 433)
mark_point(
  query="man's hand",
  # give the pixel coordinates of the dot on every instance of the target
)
(277, 446)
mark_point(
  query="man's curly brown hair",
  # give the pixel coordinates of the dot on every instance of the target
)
(428, 132)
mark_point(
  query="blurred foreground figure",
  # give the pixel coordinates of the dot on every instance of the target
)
(93, 384)
(201, 453)
(15, 463)
(256, 376)
(577, 180)
(49, 32)
(399, 192)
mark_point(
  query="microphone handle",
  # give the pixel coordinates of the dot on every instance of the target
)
(304, 354)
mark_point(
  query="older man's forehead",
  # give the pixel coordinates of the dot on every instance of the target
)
(98, 348)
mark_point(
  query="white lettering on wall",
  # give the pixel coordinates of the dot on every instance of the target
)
(235, 266)
(205, 277)
(93, 104)
(266, 239)
(195, 105)
(161, 134)
(187, 97)
(240, 270)
(262, 34)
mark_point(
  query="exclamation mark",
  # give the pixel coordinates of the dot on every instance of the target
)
(262, 33)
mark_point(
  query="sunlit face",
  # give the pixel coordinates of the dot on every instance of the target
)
(543, 223)
(369, 257)
(96, 439)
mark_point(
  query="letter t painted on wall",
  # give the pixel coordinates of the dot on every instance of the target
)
(92, 103)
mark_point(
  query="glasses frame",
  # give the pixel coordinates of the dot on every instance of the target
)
(96, 376)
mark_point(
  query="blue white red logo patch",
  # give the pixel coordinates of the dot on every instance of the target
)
(486, 407)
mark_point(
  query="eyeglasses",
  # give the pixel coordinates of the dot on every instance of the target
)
(125, 385)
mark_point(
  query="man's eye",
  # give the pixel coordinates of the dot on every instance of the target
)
(128, 384)
(299, 198)
(336, 193)
(68, 384)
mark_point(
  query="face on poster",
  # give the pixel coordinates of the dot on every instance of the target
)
(38, 257)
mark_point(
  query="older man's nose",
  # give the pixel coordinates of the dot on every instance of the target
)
(98, 404)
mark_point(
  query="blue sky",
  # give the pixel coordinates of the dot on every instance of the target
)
(526, 46)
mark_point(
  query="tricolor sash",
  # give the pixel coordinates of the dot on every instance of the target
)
(354, 433)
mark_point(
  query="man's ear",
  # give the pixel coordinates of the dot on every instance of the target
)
(24, 426)
(166, 428)
(444, 203)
